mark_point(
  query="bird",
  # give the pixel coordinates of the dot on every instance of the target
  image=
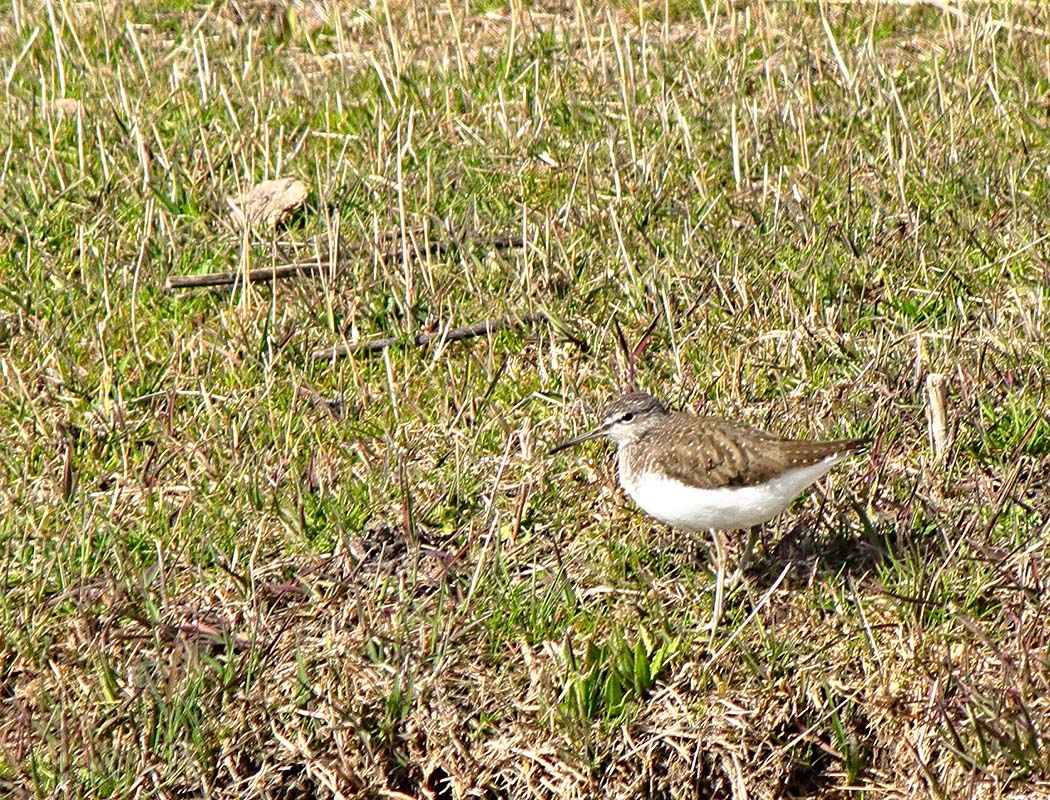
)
(705, 473)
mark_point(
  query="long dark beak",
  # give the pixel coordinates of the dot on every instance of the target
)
(578, 440)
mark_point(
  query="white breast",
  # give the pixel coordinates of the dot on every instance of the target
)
(730, 508)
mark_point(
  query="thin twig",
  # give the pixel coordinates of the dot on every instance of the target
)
(213, 279)
(628, 365)
(312, 268)
(485, 328)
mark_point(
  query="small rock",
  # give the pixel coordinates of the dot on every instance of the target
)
(268, 201)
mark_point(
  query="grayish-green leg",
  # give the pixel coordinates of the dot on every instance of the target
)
(720, 580)
(745, 556)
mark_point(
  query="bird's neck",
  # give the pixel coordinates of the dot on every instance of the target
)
(630, 460)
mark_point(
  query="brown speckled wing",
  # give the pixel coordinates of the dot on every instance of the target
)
(712, 453)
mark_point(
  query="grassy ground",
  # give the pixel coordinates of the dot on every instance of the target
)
(231, 570)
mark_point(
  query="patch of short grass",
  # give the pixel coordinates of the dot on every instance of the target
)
(229, 569)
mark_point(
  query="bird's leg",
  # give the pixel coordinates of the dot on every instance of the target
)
(720, 580)
(746, 555)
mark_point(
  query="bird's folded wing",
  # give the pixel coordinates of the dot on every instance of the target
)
(720, 454)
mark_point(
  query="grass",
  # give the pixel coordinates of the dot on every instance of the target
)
(231, 570)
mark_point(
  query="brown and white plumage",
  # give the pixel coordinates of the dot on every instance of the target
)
(707, 473)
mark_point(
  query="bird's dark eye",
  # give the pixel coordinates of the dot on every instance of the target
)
(627, 417)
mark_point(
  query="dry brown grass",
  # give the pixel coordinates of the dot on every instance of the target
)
(230, 571)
